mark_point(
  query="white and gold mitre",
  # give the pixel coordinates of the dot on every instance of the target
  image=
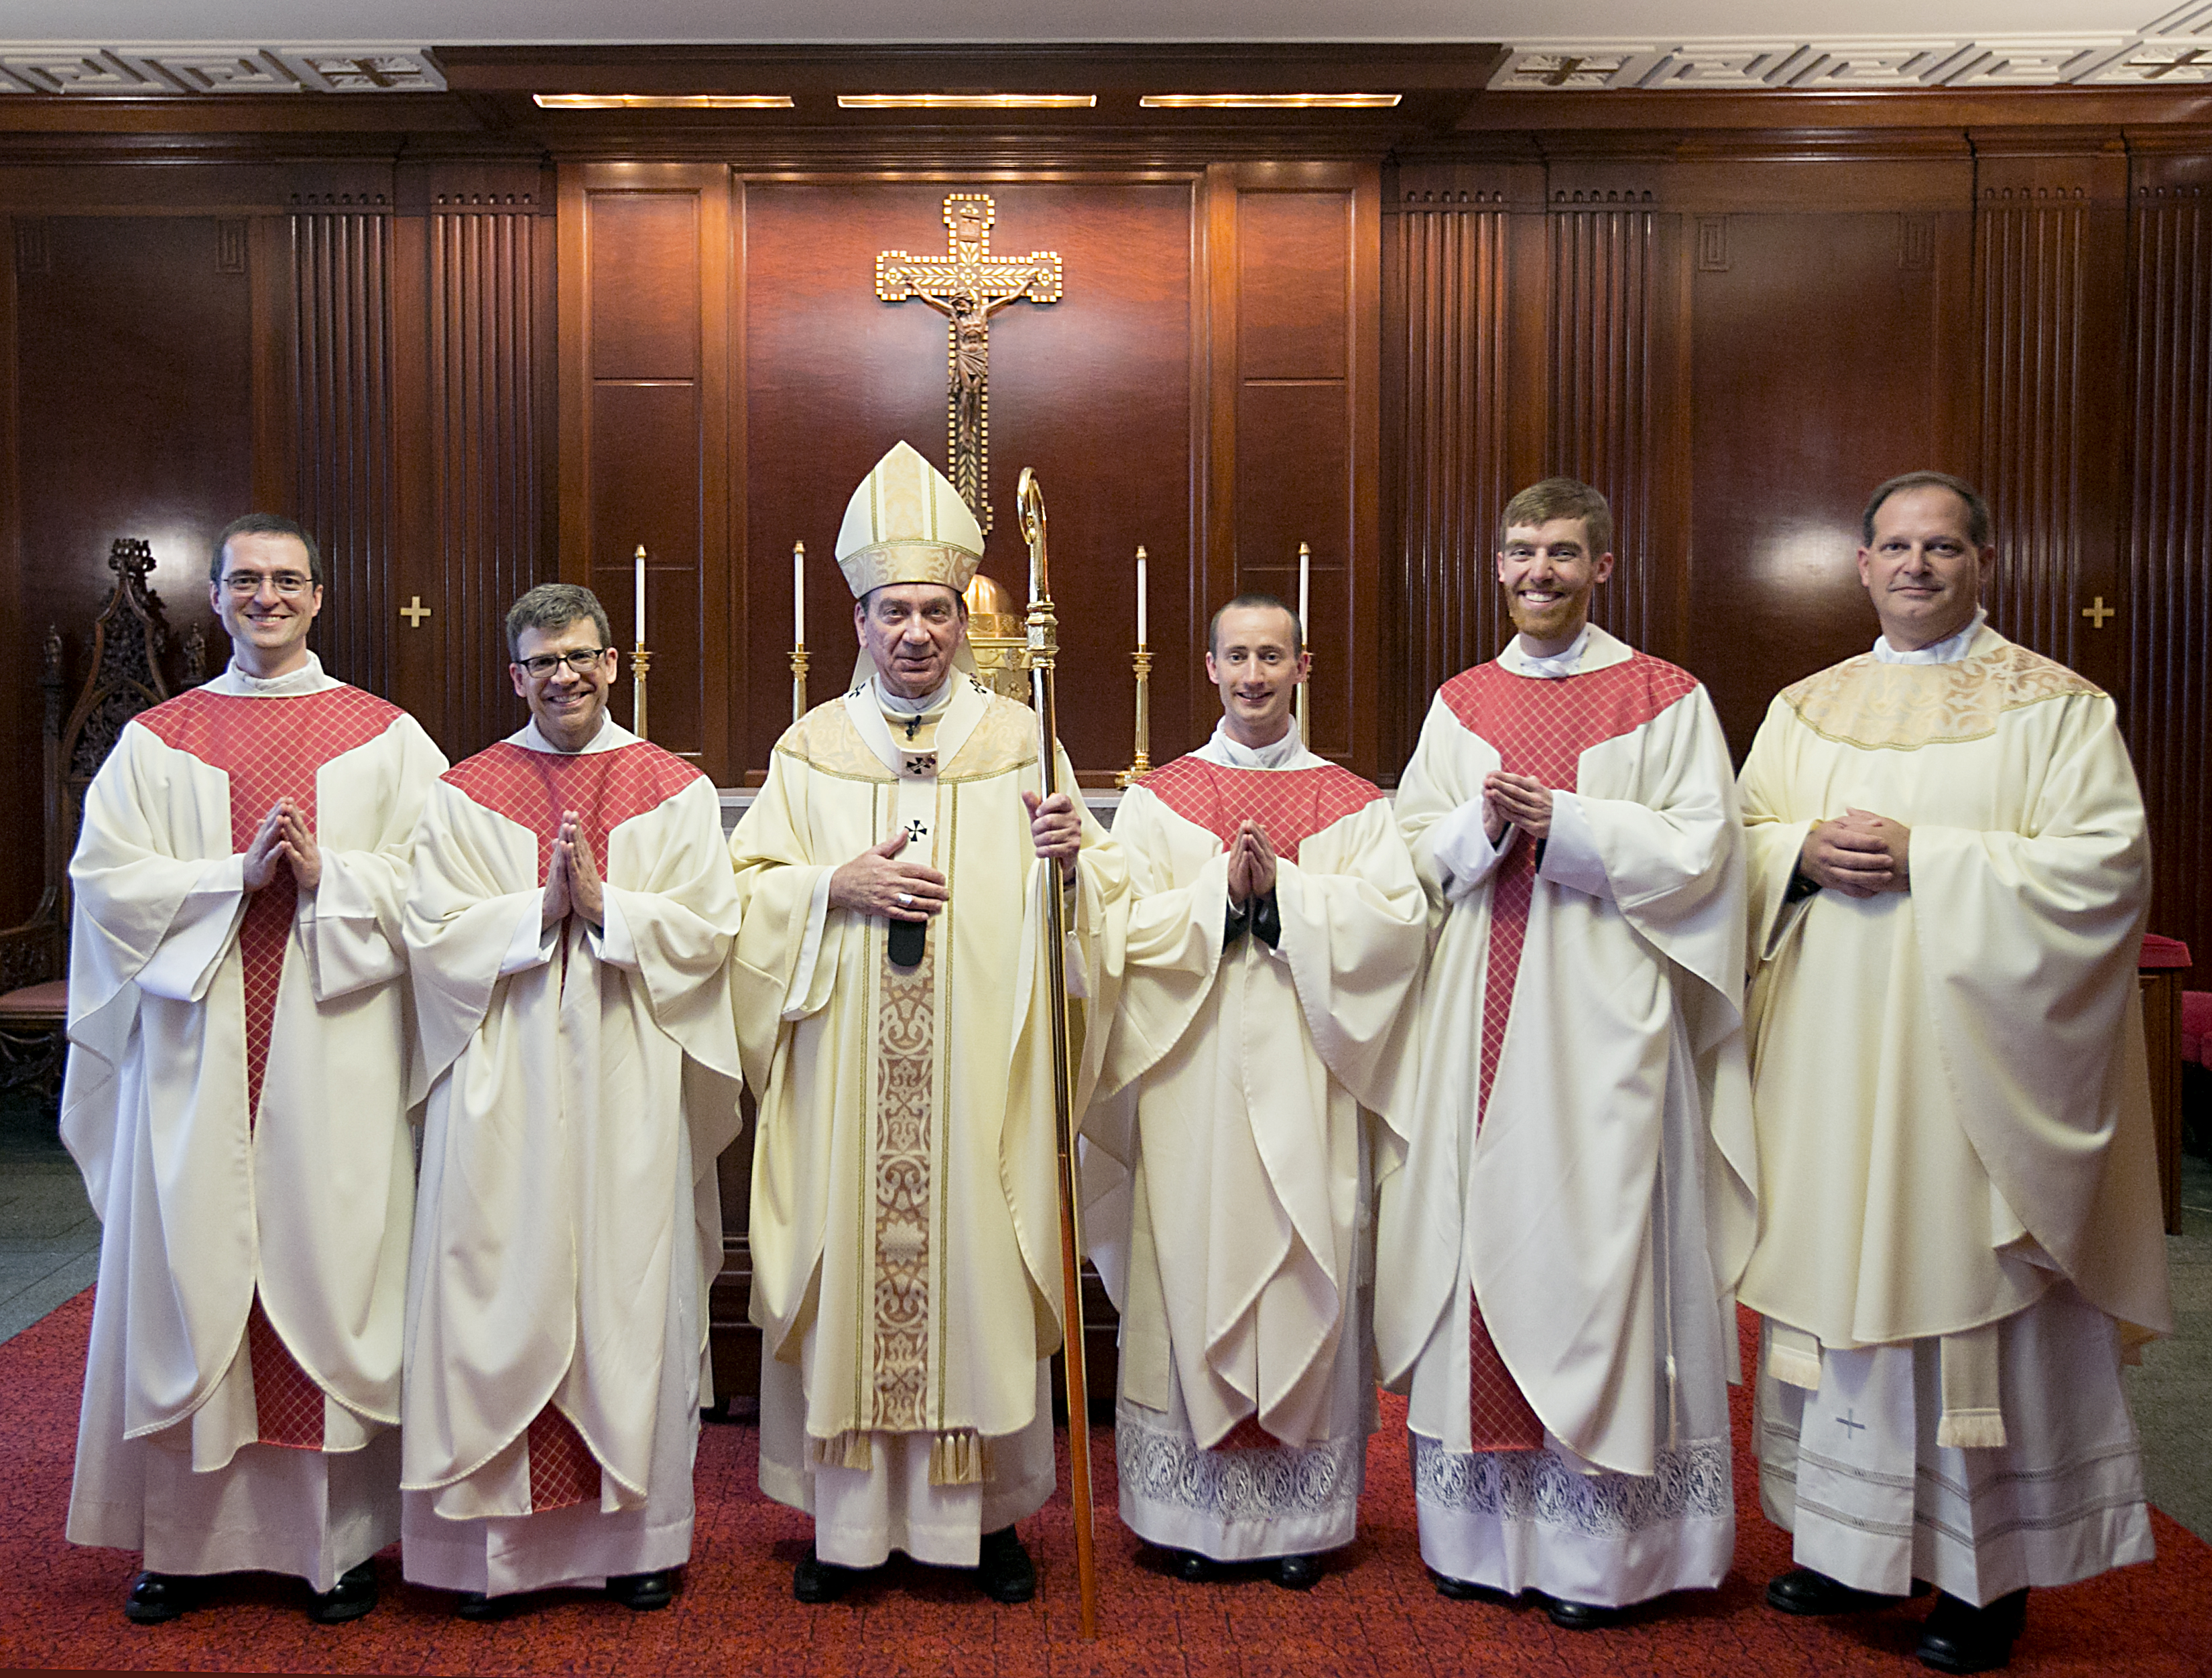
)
(906, 523)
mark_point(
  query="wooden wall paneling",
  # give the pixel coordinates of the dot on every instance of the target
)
(342, 417)
(275, 462)
(488, 329)
(1611, 352)
(741, 602)
(1457, 389)
(1831, 352)
(22, 839)
(2168, 548)
(1295, 346)
(134, 408)
(645, 400)
(2050, 253)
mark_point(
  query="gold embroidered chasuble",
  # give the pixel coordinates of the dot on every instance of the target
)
(905, 1217)
(1949, 1083)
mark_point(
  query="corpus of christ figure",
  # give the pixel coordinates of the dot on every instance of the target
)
(968, 285)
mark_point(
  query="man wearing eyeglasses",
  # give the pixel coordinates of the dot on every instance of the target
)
(237, 1099)
(569, 919)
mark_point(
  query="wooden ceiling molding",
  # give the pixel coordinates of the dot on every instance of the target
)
(1453, 108)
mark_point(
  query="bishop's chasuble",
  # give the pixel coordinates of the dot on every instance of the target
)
(1954, 1137)
(237, 1099)
(905, 1222)
(1559, 1243)
(1227, 1170)
(581, 1081)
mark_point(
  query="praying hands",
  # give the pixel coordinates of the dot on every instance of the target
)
(572, 877)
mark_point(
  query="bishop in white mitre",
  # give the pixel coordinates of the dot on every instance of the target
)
(570, 919)
(905, 1222)
(1573, 1200)
(236, 1095)
(1276, 937)
(1949, 876)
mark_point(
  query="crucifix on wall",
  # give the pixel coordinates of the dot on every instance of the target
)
(968, 285)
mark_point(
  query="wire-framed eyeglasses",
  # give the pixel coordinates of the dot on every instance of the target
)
(245, 585)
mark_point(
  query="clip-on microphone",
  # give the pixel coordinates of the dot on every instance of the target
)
(908, 940)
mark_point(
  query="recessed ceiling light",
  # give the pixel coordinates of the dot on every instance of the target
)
(1270, 101)
(967, 101)
(664, 101)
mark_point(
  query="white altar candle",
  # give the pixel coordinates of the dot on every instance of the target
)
(1305, 558)
(1140, 597)
(639, 617)
(799, 594)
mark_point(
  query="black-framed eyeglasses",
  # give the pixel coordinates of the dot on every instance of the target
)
(582, 661)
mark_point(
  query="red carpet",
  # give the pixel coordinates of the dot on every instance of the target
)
(1374, 1615)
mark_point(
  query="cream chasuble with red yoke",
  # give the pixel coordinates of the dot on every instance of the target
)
(1567, 1208)
(1227, 1160)
(237, 1098)
(581, 1081)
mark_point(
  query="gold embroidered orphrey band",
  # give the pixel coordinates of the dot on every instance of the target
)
(1902, 707)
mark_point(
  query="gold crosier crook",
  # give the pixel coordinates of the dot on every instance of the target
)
(1043, 648)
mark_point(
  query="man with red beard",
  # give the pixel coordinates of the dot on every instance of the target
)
(1573, 1199)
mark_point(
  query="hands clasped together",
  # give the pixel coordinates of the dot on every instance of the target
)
(572, 877)
(1858, 853)
(285, 835)
(1516, 800)
(1251, 864)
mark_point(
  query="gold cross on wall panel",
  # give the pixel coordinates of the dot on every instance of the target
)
(968, 285)
(2098, 612)
(415, 611)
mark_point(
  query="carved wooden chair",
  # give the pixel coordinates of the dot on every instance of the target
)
(127, 673)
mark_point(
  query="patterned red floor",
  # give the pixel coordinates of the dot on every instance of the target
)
(1373, 1616)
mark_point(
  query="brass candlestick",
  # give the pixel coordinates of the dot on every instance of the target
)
(799, 681)
(640, 662)
(1140, 764)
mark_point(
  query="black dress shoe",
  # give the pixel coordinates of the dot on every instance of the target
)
(156, 1597)
(1802, 1590)
(1298, 1573)
(476, 1605)
(1003, 1569)
(352, 1597)
(1466, 1590)
(642, 1591)
(1957, 1636)
(1580, 1616)
(814, 1580)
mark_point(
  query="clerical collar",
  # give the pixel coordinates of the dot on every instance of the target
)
(612, 737)
(308, 679)
(1950, 650)
(915, 712)
(1554, 665)
(1276, 755)
(898, 705)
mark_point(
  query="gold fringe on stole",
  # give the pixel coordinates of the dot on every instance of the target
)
(961, 1458)
(848, 1449)
(1793, 1357)
(1972, 1416)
